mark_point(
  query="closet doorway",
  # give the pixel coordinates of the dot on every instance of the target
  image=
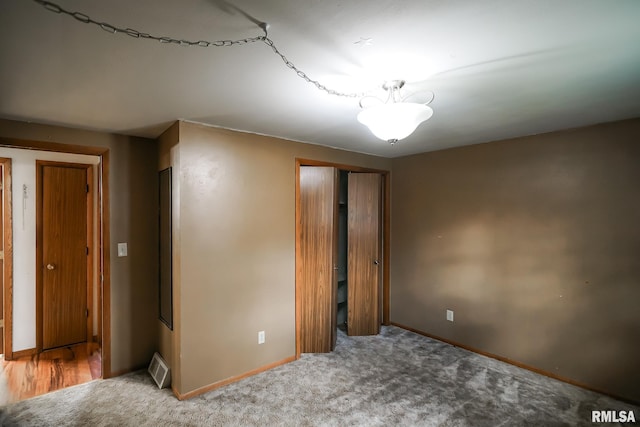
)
(342, 253)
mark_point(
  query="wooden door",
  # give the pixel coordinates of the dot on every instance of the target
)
(364, 253)
(62, 254)
(318, 260)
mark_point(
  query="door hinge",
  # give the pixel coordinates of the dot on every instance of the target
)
(87, 312)
(87, 250)
(1, 254)
(87, 188)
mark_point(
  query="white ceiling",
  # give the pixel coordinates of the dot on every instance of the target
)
(498, 69)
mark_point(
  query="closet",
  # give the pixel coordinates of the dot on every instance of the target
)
(340, 236)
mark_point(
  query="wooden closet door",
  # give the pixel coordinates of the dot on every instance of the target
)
(318, 249)
(364, 254)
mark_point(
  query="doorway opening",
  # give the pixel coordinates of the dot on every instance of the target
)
(97, 332)
(342, 252)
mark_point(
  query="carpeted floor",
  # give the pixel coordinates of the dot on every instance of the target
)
(395, 379)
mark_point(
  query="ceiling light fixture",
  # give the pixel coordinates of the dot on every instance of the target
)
(393, 119)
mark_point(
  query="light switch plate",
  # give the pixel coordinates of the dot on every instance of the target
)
(122, 249)
(450, 315)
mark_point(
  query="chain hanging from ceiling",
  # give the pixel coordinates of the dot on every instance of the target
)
(81, 17)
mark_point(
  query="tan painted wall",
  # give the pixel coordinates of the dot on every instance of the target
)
(237, 250)
(133, 208)
(535, 245)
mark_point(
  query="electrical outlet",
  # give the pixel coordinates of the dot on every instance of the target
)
(261, 337)
(450, 315)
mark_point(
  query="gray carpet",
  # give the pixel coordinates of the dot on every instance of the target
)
(396, 378)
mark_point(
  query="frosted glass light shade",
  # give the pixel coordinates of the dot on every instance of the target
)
(394, 121)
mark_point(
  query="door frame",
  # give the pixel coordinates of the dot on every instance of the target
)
(7, 265)
(103, 244)
(40, 165)
(386, 231)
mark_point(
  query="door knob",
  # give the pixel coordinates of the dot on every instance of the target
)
(376, 262)
(51, 267)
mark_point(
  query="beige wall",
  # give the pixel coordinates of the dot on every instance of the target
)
(535, 245)
(237, 250)
(133, 209)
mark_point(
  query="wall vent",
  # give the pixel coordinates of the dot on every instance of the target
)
(159, 371)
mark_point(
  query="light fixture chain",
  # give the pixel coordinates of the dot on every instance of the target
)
(304, 76)
(85, 19)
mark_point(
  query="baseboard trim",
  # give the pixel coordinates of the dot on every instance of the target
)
(24, 353)
(202, 390)
(516, 363)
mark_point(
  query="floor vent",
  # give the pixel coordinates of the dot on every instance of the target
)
(159, 371)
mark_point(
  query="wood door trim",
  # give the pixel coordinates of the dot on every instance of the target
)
(386, 246)
(298, 264)
(342, 166)
(104, 324)
(40, 165)
(52, 146)
(105, 238)
(7, 270)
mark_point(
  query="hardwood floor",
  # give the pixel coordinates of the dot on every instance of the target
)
(48, 371)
